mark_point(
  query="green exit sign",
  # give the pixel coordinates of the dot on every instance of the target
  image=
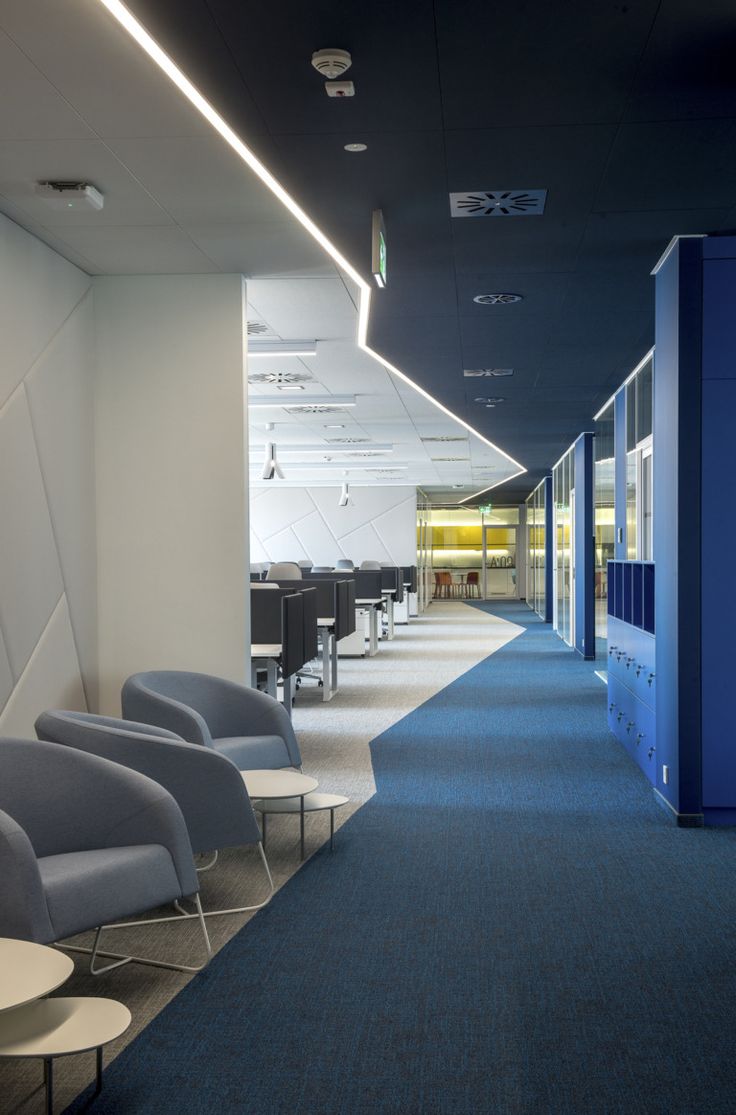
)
(485, 508)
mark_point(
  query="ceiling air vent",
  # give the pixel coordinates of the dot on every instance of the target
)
(497, 299)
(490, 399)
(444, 437)
(280, 377)
(498, 203)
(347, 440)
(257, 328)
(385, 471)
(315, 410)
(448, 459)
(478, 373)
(368, 453)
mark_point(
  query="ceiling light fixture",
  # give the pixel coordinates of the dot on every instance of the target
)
(281, 348)
(334, 425)
(270, 464)
(356, 147)
(492, 299)
(259, 402)
(344, 499)
(147, 43)
(289, 387)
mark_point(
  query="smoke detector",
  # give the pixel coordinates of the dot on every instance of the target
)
(331, 63)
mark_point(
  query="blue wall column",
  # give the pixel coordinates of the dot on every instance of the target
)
(584, 544)
(693, 528)
(549, 550)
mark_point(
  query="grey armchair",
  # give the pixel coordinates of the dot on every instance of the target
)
(84, 842)
(251, 729)
(207, 786)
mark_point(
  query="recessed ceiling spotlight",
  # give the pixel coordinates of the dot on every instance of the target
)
(290, 387)
(497, 299)
(334, 425)
(356, 146)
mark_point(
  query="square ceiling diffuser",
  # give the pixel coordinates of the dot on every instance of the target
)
(498, 203)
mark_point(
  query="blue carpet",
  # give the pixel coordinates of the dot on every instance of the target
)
(510, 926)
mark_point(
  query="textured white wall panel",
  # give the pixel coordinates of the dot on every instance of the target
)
(30, 577)
(38, 292)
(60, 391)
(50, 680)
(6, 675)
(47, 513)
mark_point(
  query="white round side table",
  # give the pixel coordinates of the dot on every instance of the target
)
(280, 784)
(52, 1028)
(314, 803)
(30, 971)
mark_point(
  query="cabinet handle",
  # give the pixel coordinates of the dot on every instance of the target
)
(629, 660)
(629, 726)
(650, 679)
(651, 751)
(639, 670)
(620, 717)
(639, 738)
(612, 706)
(611, 649)
(619, 655)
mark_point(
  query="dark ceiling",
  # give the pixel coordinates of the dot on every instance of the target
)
(624, 112)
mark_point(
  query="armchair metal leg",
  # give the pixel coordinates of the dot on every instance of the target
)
(121, 958)
(240, 909)
(210, 865)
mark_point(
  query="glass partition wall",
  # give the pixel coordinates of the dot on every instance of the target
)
(639, 449)
(604, 522)
(535, 556)
(563, 488)
(473, 555)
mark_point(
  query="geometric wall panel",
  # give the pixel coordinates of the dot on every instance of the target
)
(30, 577)
(6, 676)
(288, 524)
(51, 679)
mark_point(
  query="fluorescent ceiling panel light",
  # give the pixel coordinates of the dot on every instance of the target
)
(147, 43)
(281, 348)
(290, 387)
(260, 401)
(341, 466)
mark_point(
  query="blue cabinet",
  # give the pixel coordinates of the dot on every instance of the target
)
(632, 676)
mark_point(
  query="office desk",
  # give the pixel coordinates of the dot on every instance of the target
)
(326, 629)
(268, 656)
(374, 606)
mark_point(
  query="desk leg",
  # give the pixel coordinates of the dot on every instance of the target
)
(272, 674)
(301, 824)
(326, 643)
(390, 616)
(334, 663)
(373, 620)
(332, 830)
(98, 1070)
(288, 693)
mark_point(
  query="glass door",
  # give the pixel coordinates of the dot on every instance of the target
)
(499, 562)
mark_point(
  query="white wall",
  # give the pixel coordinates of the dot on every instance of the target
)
(48, 590)
(292, 524)
(171, 466)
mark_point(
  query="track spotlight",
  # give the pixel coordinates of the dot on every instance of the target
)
(344, 499)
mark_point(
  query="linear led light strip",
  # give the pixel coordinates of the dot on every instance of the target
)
(138, 32)
(644, 360)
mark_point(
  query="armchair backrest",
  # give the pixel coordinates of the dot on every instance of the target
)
(287, 569)
(183, 702)
(206, 785)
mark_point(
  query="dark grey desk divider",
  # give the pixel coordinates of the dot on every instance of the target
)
(409, 576)
(334, 598)
(293, 625)
(392, 578)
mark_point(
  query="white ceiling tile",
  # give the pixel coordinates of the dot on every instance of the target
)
(90, 60)
(30, 578)
(139, 251)
(30, 107)
(261, 250)
(23, 163)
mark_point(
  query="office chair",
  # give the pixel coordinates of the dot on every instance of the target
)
(370, 565)
(289, 570)
(344, 563)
